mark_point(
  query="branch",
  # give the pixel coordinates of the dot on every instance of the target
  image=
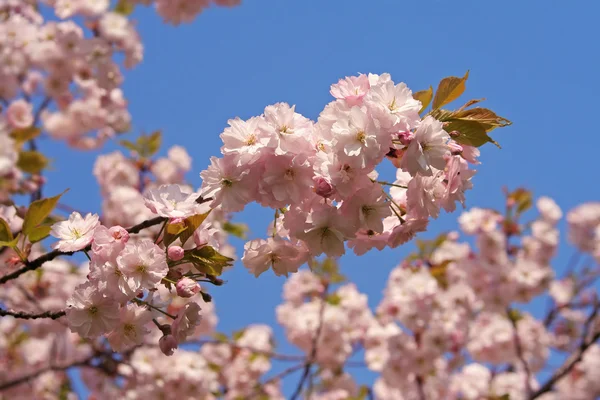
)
(313, 353)
(35, 264)
(23, 379)
(570, 363)
(519, 348)
(23, 315)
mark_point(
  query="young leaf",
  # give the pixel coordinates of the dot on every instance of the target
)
(207, 260)
(424, 96)
(449, 89)
(37, 213)
(6, 234)
(32, 162)
(172, 232)
(129, 145)
(39, 233)
(238, 230)
(522, 198)
(124, 7)
(191, 224)
(25, 134)
(11, 243)
(471, 133)
(487, 118)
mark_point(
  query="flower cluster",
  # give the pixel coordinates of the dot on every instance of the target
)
(321, 175)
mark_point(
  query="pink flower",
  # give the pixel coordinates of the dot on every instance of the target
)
(323, 187)
(171, 201)
(428, 148)
(286, 180)
(288, 131)
(20, 114)
(393, 106)
(131, 328)
(230, 186)
(424, 195)
(283, 256)
(143, 264)
(549, 210)
(187, 287)
(367, 208)
(352, 89)
(91, 314)
(245, 140)
(75, 233)
(108, 243)
(186, 322)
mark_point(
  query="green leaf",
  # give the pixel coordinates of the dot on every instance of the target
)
(129, 145)
(515, 315)
(424, 96)
(38, 211)
(39, 233)
(449, 89)
(221, 337)
(25, 134)
(471, 133)
(148, 145)
(522, 199)
(124, 7)
(32, 162)
(238, 230)
(6, 234)
(172, 232)
(439, 273)
(237, 335)
(207, 260)
(10, 243)
(334, 299)
(192, 223)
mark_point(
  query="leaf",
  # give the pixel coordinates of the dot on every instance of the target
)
(439, 273)
(238, 230)
(172, 232)
(484, 116)
(471, 133)
(38, 211)
(515, 315)
(237, 335)
(124, 7)
(334, 299)
(32, 162)
(207, 260)
(449, 89)
(192, 223)
(148, 145)
(39, 233)
(10, 243)
(25, 134)
(522, 198)
(6, 234)
(221, 337)
(129, 145)
(424, 96)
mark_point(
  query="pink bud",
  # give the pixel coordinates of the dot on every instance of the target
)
(167, 344)
(187, 287)
(174, 221)
(406, 137)
(119, 233)
(322, 187)
(175, 253)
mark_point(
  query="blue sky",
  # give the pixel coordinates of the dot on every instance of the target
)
(536, 63)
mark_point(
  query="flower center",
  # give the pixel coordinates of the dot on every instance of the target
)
(251, 139)
(226, 183)
(361, 137)
(93, 310)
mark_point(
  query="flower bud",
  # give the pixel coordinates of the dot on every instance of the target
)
(322, 187)
(187, 287)
(167, 344)
(119, 233)
(175, 253)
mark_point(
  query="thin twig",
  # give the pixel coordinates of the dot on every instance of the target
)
(519, 348)
(23, 315)
(574, 358)
(313, 352)
(35, 264)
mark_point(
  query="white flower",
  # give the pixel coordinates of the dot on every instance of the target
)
(171, 201)
(75, 233)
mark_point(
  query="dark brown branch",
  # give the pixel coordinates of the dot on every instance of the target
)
(570, 363)
(35, 264)
(23, 379)
(23, 315)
